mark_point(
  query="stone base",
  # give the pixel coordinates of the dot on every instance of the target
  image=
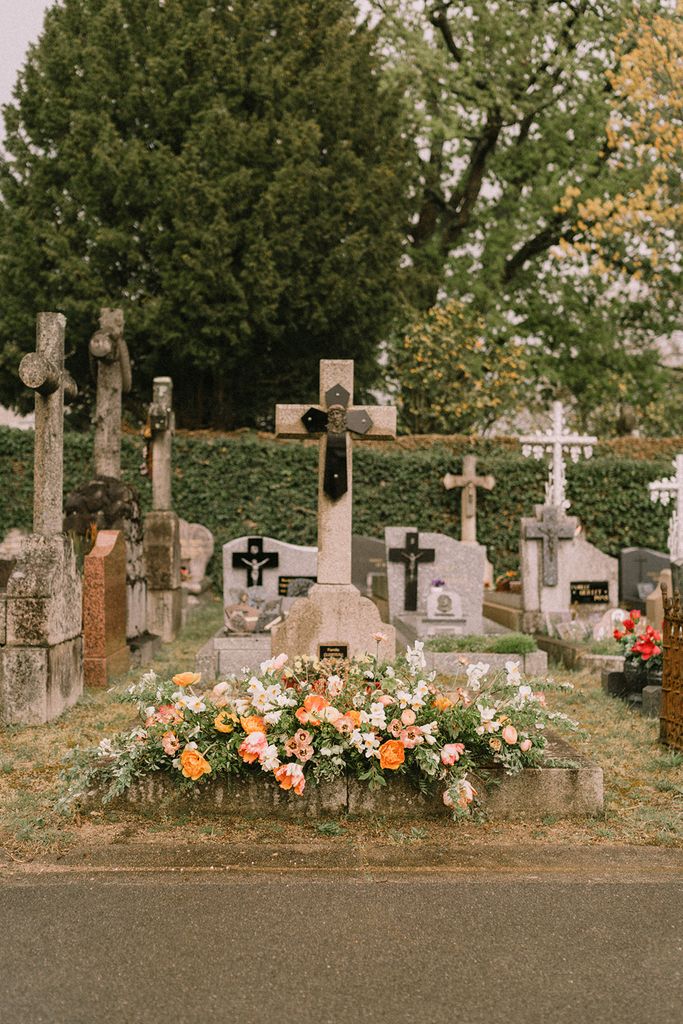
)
(505, 608)
(333, 615)
(164, 613)
(100, 672)
(38, 683)
(223, 655)
(143, 649)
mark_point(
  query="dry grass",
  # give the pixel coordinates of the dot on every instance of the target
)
(643, 784)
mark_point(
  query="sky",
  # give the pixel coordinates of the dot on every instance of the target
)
(20, 24)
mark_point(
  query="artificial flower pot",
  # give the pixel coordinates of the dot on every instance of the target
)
(635, 674)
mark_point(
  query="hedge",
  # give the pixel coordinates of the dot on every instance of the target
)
(248, 483)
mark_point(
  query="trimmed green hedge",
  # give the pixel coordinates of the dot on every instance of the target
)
(248, 483)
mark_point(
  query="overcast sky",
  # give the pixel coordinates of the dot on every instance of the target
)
(20, 24)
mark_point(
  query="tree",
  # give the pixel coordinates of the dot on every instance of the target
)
(515, 107)
(233, 175)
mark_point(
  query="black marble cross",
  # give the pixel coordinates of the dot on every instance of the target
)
(410, 555)
(335, 421)
(255, 560)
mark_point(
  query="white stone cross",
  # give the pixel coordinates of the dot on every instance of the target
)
(557, 440)
(43, 371)
(337, 417)
(469, 481)
(162, 426)
(110, 352)
(669, 491)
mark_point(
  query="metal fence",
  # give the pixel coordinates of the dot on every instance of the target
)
(671, 717)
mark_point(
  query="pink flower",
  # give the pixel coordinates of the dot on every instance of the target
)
(408, 717)
(379, 638)
(253, 747)
(385, 699)
(447, 799)
(395, 727)
(450, 752)
(509, 734)
(466, 792)
(411, 737)
(291, 776)
(525, 745)
(170, 743)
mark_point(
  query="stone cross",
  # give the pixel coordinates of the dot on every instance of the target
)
(337, 418)
(469, 481)
(43, 371)
(109, 351)
(162, 426)
(669, 491)
(410, 555)
(557, 440)
(550, 529)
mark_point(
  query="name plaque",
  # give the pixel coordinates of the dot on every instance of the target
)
(333, 651)
(284, 581)
(590, 592)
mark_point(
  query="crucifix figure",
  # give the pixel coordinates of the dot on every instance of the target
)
(162, 428)
(43, 371)
(552, 527)
(410, 555)
(557, 441)
(469, 481)
(255, 560)
(335, 420)
(109, 352)
(669, 491)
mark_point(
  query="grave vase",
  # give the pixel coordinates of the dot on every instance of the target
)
(635, 674)
(653, 675)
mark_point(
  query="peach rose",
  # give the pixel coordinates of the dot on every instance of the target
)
(252, 748)
(509, 734)
(385, 700)
(170, 743)
(303, 738)
(408, 717)
(225, 721)
(450, 752)
(253, 723)
(291, 776)
(304, 754)
(525, 745)
(193, 764)
(186, 678)
(391, 754)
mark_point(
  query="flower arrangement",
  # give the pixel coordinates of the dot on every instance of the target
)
(640, 647)
(312, 722)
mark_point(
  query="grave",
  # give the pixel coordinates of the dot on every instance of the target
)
(196, 551)
(41, 657)
(669, 491)
(369, 571)
(469, 482)
(639, 570)
(105, 652)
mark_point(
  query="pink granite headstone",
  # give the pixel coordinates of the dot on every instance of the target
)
(106, 653)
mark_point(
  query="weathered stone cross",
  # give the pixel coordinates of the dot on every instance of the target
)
(551, 528)
(669, 491)
(469, 481)
(110, 353)
(336, 418)
(557, 440)
(43, 371)
(162, 426)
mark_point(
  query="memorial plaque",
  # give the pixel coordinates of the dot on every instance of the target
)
(332, 651)
(590, 592)
(283, 583)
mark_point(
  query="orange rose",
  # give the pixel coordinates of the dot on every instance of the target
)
(442, 703)
(193, 764)
(186, 678)
(254, 723)
(391, 754)
(225, 721)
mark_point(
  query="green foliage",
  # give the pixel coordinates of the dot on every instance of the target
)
(233, 175)
(248, 484)
(507, 643)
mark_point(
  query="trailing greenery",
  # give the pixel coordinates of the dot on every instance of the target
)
(505, 643)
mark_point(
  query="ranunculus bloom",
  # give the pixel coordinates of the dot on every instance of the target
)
(303, 737)
(193, 764)
(219, 694)
(344, 725)
(186, 678)
(225, 721)
(291, 776)
(450, 752)
(391, 754)
(408, 717)
(525, 745)
(509, 734)
(304, 753)
(253, 723)
(252, 748)
(634, 614)
(411, 737)
(170, 743)
(385, 699)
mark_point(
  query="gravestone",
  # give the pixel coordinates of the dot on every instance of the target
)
(269, 564)
(639, 570)
(196, 551)
(369, 571)
(557, 441)
(654, 602)
(105, 651)
(162, 530)
(334, 616)
(468, 481)
(414, 561)
(41, 659)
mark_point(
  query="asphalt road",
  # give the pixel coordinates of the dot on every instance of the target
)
(82, 947)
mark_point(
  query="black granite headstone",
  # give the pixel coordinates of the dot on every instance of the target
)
(368, 561)
(639, 570)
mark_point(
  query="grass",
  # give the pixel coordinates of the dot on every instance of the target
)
(505, 643)
(610, 647)
(643, 784)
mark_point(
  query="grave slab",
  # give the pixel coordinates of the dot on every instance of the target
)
(106, 653)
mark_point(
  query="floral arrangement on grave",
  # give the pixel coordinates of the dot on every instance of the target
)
(642, 648)
(313, 722)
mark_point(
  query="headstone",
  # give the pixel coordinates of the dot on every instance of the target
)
(162, 530)
(469, 482)
(609, 621)
(639, 570)
(109, 351)
(196, 550)
(105, 651)
(284, 563)
(41, 660)
(459, 565)
(334, 615)
(369, 571)
(654, 602)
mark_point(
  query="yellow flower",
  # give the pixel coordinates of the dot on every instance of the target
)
(193, 764)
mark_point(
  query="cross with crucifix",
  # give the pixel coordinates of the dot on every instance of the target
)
(43, 371)
(669, 491)
(552, 527)
(469, 481)
(411, 555)
(557, 441)
(109, 352)
(335, 421)
(255, 560)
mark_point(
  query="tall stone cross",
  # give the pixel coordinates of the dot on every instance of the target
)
(162, 426)
(469, 481)
(552, 527)
(669, 491)
(335, 419)
(109, 352)
(43, 371)
(557, 441)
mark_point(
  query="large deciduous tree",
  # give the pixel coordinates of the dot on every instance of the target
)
(233, 175)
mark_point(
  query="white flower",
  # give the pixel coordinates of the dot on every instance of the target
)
(196, 731)
(368, 675)
(524, 693)
(358, 700)
(377, 717)
(540, 725)
(428, 731)
(389, 671)
(417, 699)
(356, 739)
(513, 673)
(487, 716)
(273, 664)
(415, 657)
(104, 748)
(330, 751)
(150, 711)
(335, 685)
(475, 674)
(269, 759)
(404, 698)
(242, 705)
(194, 704)
(148, 678)
(370, 743)
(272, 717)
